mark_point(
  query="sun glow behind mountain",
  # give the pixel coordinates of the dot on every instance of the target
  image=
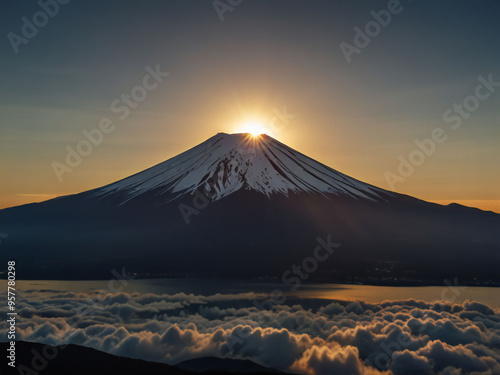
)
(255, 128)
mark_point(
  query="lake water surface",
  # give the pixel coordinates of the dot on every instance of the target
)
(486, 295)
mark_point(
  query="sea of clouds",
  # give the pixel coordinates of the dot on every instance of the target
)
(302, 336)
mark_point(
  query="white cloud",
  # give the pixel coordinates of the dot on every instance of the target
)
(393, 337)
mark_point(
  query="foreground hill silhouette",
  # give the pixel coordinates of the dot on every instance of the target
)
(79, 360)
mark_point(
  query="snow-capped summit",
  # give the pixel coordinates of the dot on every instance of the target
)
(226, 163)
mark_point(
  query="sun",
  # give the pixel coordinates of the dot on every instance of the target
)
(254, 128)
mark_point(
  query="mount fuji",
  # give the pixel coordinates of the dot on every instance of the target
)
(243, 206)
(231, 162)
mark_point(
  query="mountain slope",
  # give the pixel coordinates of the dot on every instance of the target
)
(228, 163)
(238, 207)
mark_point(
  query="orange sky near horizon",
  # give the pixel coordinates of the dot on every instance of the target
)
(88, 176)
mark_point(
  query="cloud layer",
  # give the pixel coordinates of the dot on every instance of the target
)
(303, 336)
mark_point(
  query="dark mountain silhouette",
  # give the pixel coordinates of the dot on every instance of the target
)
(246, 207)
(35, 358)
(201, 365)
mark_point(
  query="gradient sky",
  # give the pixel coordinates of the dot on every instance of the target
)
(265, 56)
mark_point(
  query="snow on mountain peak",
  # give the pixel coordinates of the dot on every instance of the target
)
(230, 162)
